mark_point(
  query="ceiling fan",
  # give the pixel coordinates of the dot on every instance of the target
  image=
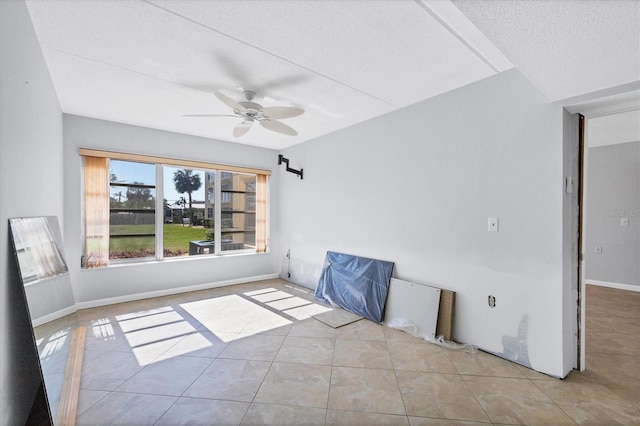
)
(250, 112)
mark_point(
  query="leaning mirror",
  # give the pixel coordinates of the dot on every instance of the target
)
(42, 269)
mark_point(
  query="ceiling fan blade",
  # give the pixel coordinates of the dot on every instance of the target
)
(241, 128)
(230, 102)
(209, 115)
(278, 126)
(281, 112)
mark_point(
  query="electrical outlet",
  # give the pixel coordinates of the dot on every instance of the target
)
(492, 301)
(624, 221)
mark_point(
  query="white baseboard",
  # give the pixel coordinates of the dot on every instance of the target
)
(628, 287)
(54, 316)
(139, 296)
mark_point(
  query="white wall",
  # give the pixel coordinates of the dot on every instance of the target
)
(613, 193)
(118, 283)
(416, 187)
(31, 184)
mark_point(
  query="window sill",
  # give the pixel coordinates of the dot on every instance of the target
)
(149, 261)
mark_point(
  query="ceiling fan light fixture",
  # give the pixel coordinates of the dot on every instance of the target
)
(250, 111)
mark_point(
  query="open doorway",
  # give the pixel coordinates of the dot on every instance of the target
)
(609, 237)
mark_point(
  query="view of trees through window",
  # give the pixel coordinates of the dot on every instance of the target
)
(132, 198)
(185, 227)
(188, 200)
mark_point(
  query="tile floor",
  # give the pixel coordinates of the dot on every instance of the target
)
(251, 354)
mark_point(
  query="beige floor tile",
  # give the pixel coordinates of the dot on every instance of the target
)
(628, 392)
(104, 337)
(444, 396)
(196, 411)
(203, 309)
(229, 379)
(159, 338)
(357, 418)
(87, 398)
(221, 323)
(168, 377)
(362, 353)
(271, 325)
(108, 370)
(392, 335)
(201, 343)
(307, 350)
(515, 401)
(270, 295)
(296, 385)
(292, 302)
(533, 374)
(361, 330)
(149, 319)
(119, 408)
(420, 357)
(271, 414)
(427, 421)
(483, 364)
(203, 324)
(258, 347)
(361, 389)
(589, 403)
(311, 328)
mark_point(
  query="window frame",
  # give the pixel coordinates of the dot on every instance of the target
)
(156, 205)
(159, 163)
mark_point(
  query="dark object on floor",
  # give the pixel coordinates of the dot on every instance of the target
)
(357, 284)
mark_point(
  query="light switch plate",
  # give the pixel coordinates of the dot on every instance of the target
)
(492, 224)
(624, 221)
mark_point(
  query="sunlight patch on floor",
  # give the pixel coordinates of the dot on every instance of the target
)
(305, 312)
(166, 332)
(102, 329)
(55, 343)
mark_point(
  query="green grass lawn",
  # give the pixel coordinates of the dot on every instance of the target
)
(178, 236)
(176, 240)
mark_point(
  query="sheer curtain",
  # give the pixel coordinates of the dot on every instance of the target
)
(261, 213)
(39, 256)
(96, 211)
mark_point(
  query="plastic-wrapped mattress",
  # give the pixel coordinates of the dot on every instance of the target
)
(357, 284)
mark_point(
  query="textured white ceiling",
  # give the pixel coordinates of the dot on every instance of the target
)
(150, 62)
(564, 47)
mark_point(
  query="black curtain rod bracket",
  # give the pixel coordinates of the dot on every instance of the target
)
(281, 160)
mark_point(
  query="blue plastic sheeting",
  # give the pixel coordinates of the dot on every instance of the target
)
(357, 284)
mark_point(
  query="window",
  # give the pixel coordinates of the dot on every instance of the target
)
(132, 200)
(141, 207)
